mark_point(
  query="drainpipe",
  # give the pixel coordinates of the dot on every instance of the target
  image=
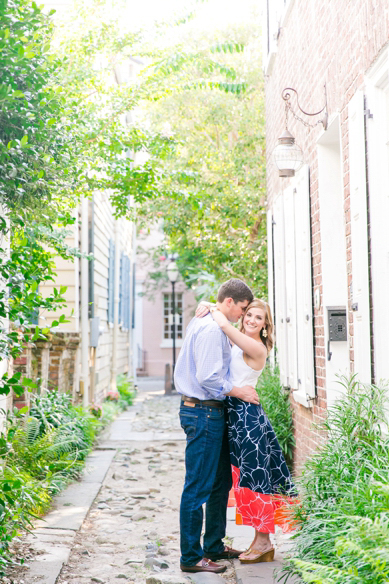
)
(115, 308)
(84, 302)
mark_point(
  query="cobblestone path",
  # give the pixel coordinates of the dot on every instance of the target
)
(132, 530)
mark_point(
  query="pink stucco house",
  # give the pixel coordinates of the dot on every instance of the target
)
(153, 313)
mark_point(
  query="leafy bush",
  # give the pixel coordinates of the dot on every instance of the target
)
(363, 551)
(96, 410)
(40, 452)
(345, 494)
(275, 401)
(125, 389)
(113, 396)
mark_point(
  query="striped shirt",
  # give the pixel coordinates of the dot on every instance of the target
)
(202, 367)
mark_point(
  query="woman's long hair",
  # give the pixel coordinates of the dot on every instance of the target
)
(267, 340)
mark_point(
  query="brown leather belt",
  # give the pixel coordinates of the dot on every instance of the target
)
(214, 403)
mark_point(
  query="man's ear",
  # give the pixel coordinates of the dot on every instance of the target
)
(229, 302)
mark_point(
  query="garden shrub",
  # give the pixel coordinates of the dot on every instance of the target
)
(125, 389)
(117, 401)
(275, 401)
(344, 511)
(363, 552)
(41, 450)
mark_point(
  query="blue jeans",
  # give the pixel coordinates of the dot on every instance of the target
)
(208, 480)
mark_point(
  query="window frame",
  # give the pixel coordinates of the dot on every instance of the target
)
(277, 14)
(168, 341)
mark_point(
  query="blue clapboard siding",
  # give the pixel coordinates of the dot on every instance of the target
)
(133, 296)
(121, 303)
(125, 288)
(111, 281)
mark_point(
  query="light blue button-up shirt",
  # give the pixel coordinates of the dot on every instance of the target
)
(203, 363)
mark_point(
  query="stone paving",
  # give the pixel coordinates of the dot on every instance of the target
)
(121, 521)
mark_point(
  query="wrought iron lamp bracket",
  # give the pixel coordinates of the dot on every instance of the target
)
(286, 96)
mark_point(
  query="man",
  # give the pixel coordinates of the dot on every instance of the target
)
(201, 376)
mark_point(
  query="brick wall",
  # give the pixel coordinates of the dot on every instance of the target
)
(334, 42)
(52, 364)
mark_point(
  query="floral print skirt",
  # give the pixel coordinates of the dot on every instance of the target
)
(263, 485)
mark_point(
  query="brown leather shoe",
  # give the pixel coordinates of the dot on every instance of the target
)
(204, 566)
(228, 554)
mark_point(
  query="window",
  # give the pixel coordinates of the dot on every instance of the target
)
(276, 16)
(168, 316)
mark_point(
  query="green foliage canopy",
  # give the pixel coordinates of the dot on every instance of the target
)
(214, 213)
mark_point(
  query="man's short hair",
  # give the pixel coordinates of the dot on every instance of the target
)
(235, 289)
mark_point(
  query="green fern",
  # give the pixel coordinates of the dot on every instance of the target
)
(344, 493)
(317, 574)
(363, 553)
(32, 430)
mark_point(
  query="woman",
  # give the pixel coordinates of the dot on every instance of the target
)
(260, 475)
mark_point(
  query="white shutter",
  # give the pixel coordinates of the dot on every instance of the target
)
(279, 292)
(270, 295)
(358, 209)
(305, 353)
(290, 285)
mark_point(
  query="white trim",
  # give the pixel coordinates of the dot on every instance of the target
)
(270, 60)
(287, 11)
(378, 74)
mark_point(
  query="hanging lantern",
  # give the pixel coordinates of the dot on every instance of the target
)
(288, 156)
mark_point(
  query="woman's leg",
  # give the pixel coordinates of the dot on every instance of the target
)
(260, 544)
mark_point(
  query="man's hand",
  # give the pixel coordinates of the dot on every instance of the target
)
(247, 393)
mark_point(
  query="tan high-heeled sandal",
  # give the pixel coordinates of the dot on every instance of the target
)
(267, 556)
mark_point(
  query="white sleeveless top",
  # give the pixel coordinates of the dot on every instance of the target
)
(240, 373)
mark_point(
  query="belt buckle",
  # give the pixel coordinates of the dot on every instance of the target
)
(190, 404)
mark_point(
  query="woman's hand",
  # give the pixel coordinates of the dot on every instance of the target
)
(202, 309)
(219, 317)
